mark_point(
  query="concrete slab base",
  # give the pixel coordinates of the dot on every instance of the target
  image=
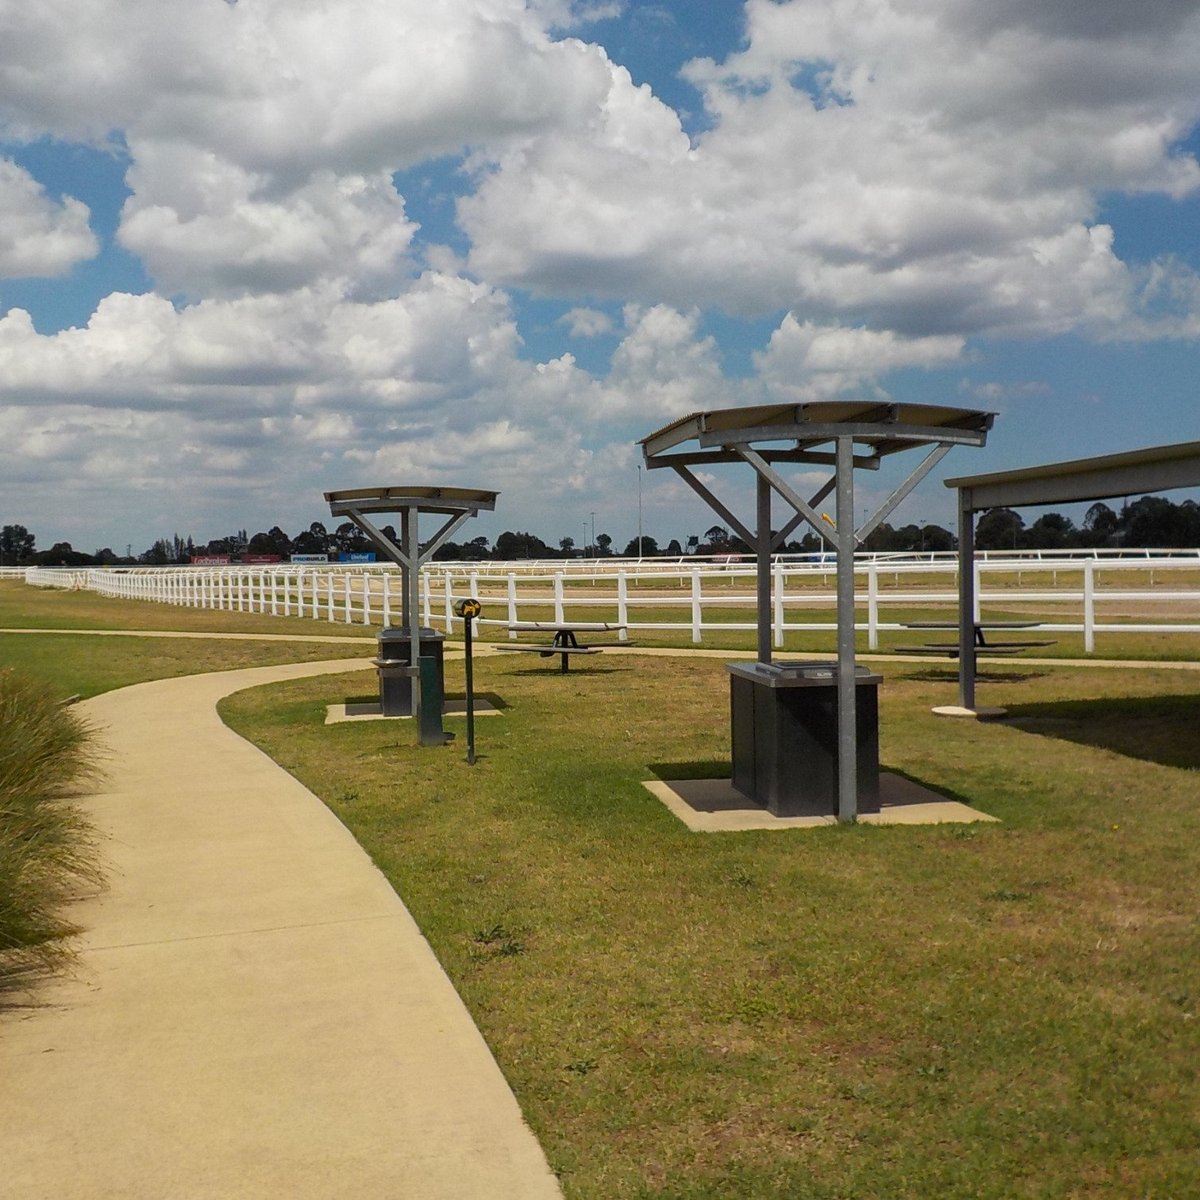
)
(976, 714)
(369, 710)
(713, 806)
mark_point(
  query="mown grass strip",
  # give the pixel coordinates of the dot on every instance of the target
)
(985, 1011)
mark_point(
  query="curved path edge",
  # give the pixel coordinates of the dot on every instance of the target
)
(256, 1014)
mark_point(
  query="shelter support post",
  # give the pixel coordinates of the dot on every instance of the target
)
(966, 601)
(763, 574)
(412, 607)
(847, 788)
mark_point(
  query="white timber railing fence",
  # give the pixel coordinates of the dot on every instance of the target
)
(1070, 593)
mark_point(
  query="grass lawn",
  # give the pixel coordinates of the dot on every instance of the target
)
(1161, 647)
(25, 607)
(87, 664)
(986, 1011)
(1000, 1011)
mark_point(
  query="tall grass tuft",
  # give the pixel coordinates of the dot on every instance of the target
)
(48, 847)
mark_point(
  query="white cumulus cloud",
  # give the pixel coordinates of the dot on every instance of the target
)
(39, 236)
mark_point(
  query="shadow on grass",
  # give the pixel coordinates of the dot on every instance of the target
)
(1159, 729)
(716, 768)
(949, 675)
(937, 788)
(535, 672)
(493, 698)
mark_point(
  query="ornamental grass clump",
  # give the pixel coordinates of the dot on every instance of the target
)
(48, 848)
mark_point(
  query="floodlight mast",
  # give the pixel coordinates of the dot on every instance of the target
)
(754, 436)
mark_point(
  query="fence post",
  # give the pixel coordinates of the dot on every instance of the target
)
(329, 595)
(473, 590)
(512, 604)
(697, 633)
(872, 606)
(387, 601)
(779, 585)
(558, 598)
(622, 605)
(978, 588)
(1089, 607)
(366, 598)
(346, 603)
(448, 607)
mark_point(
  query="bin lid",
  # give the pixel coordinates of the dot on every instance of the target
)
(799, 674)
(395, 633)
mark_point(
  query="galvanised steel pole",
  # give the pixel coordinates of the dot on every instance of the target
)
(412, 598)
(846, 697)
(764, 568)
(966, 600)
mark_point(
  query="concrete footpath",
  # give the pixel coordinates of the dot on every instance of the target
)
(256, 1014)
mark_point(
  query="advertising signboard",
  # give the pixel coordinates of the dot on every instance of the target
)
(357, 556)
(309, 558)
(210, 560)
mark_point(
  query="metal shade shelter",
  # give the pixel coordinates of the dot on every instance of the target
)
(456, 505)
(838, 434)
(1153, 469)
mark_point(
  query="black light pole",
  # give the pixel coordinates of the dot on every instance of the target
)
(469, 609)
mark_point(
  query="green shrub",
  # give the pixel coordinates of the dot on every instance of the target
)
(48, 848)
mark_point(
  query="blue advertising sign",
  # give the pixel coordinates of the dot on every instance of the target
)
(357, 556)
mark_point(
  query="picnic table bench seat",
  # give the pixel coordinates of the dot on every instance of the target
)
(564, 641)
(563, 626)
(951, 649)
(948, 650)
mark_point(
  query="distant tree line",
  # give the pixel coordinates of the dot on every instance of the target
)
(1151, 522)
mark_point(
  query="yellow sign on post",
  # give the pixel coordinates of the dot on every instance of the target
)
(468, 608)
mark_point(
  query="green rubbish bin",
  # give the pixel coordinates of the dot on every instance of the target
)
(429, 711)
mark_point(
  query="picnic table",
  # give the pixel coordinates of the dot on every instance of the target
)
(564, 641)
(982, 645)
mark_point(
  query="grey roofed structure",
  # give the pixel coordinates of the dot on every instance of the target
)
(1149, 470)
(457, 505)
(843, 434)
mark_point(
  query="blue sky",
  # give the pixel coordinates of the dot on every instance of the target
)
(251, 252)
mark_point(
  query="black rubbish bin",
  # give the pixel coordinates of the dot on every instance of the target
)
(784, 726)
(394, 661)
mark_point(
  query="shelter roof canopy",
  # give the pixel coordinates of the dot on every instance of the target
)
(801, 430)
(1152, 469)
(424, 498)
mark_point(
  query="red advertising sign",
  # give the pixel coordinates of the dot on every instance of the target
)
(210, 560)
